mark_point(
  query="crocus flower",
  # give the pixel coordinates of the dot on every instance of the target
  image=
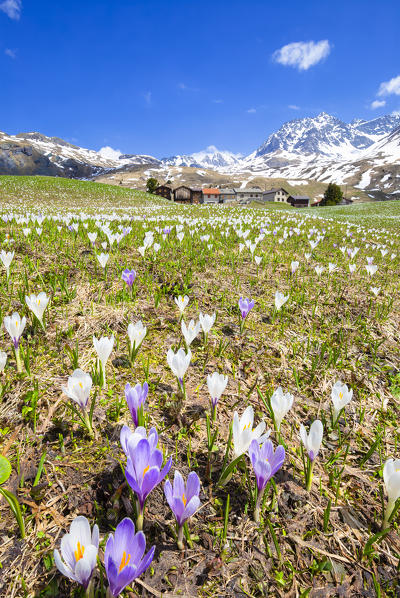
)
(103, 348)
(135, 397)
(15, 327)
(3, 360)
(126, 435)
(78, 387)
(183, 500)
(243, 433)
(190, 331)
(265, 464)
(207, 322)
(37, 304)
(179, 363)
(281, 403)
(216, 386)
(6, 257)
(78, 551)
(371, 269)
(136, 334)
(293, 266)
(123, 556)
(312, 443)
(182, 302)
(245, 306)
(143, 468)
(375, 290)
(341, 396)
(129, 276)
(391, 478)
(103, 259)
(280, 300)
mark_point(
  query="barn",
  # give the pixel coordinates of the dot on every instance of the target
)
(163, 191)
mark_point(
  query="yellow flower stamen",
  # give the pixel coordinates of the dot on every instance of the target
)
(184, 500)
(146, 469)
(79, 552)
(124, 561)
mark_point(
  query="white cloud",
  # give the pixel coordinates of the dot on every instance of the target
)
(378, 104)
(388, 87)
(109, 153)
(293, 107)
(251, 111)
(302, 55)
(12, 8)
(10, 53)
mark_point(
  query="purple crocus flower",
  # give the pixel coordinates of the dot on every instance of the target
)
(135, 397)
(126, 435)
(143, 468)
(245, 305)
(123, 557)
(129, 276)
(166, 230)
(183, 500)
(265, 464)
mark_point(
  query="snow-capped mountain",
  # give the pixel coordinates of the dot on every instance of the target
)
(327, 135)
(34, 153)
(364, 154)
(208, 158)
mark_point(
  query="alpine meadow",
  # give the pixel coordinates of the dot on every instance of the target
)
(199, 348)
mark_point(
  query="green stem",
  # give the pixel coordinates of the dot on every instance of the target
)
(309, 475)
(388, 512)
(88, 424)
(257, 508)
(18, 359)
(139, 520)
(180, 538)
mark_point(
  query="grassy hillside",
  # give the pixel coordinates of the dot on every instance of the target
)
(34, 191)
(375, 214)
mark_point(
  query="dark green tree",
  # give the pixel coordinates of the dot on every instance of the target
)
(151, 185)
(332, 196)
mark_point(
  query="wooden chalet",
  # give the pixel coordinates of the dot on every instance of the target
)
(164, 191)
(184, 194)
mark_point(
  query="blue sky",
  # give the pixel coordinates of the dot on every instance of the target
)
(174, 76)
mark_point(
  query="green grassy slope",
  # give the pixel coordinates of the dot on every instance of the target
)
(34, 191)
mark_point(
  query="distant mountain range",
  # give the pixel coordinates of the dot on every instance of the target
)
(364, 154)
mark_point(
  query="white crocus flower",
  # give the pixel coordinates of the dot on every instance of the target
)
(37, 304)
(136, 334)
(371, 269)
(258, 259)
(280, 300)
(341, 396)
(319, 270)
(92, 237)
(78, 387)
(294, 266)
(182, 302)
(216, 386)
(313, 440)
(3, 360)
(15, 327)
(179, 363)
(375, 290)
(391, 478)
(332, 268)
(190, 331)
(352, 268)
(281, 403)
(243, 433)
(103, 347)
(207, 322)
(103, 259)
(6, 258)
(79, 551)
